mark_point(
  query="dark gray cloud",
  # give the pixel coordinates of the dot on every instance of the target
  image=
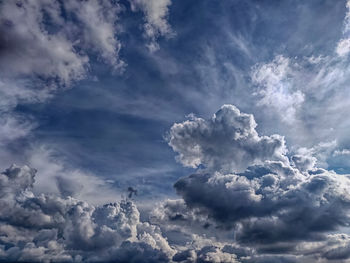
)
(274, 206)
(294, 205)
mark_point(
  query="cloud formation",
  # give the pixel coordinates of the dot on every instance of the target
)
(273, 205)
(226, 142)
(343, 46)
(47, 46)
(156, 13)
(276, 88)
(50, 228)
(250, 199)
(37, 39)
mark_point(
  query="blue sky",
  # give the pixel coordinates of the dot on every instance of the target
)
(91, 92)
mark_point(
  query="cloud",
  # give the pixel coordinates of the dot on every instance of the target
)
(50, 45)
(97, 28)
(45, 46)
(341, 152)
(226, 142)
(38, 40)
(14, 126)
(274, 210)
(343, 46)
(276, 88)
(156, 13)
(306, 92)
(273, 206)
(50, 228)
(318, 153)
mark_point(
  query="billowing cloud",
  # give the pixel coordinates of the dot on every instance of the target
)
(273, 206)
(271, 195)
(38, 40)
(50, 228)
(273, 210)
(226, 142)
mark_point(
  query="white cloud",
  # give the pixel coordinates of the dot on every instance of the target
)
(99, 31)
(343, 46)
(276, 89)
(50, 228)
(156, 13)
(321, 152)
(341, 152)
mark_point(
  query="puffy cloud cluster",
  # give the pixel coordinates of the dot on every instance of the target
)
(273, 196)
(275, 209)
(50, 228)
(38, 40)
(272, 210)
(226, 142)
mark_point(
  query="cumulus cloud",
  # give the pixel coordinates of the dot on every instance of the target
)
(271, 195)
(272, 210)
(318, 153)
(226, 142)
(50, 228)
(283, 211)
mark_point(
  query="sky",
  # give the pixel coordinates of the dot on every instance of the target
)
(174, 131)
